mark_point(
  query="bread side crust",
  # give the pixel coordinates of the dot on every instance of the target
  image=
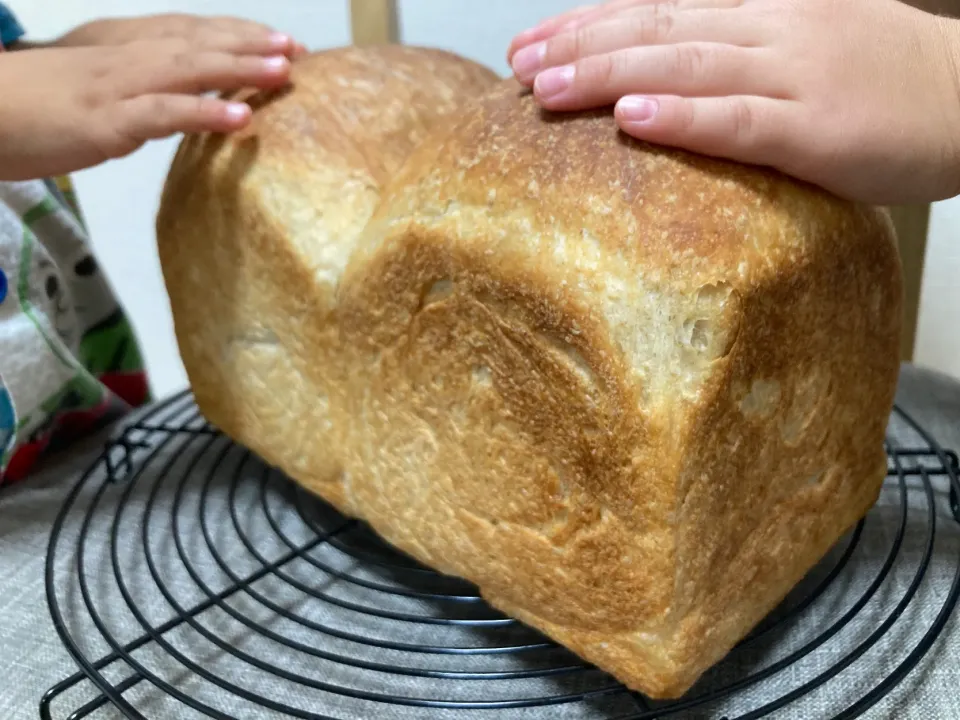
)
(254, 230)
(717, 467)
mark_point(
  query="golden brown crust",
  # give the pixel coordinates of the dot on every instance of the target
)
(633, 394)
(247, 262)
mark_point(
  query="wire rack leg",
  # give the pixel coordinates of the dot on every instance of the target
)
(954, 503)
(88, 708)
(954, 499)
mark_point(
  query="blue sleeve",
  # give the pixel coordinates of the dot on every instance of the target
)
(10, 29)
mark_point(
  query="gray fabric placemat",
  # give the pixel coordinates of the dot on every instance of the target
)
(194, 558)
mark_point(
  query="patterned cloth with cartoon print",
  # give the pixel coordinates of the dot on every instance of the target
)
(69, 360)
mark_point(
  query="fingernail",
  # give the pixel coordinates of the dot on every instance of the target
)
(275, 63)
(527, 62)
(237, 111)
(280, 40)
(554, 81)
(637, 109)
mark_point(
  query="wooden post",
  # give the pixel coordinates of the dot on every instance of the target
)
(374, 22)
(911, 222)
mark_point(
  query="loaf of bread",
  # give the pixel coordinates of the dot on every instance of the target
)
(633, 394)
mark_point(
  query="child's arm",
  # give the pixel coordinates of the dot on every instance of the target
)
(104, 89)
(861, 97)
(66, 109)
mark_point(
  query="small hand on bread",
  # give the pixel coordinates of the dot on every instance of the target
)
(861, 97)
(106, 88)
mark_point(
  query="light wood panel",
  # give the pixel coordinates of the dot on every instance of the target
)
(374, 22)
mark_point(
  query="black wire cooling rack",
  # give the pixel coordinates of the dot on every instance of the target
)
(187, 579)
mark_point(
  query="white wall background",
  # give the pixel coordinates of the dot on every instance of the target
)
(120, 198)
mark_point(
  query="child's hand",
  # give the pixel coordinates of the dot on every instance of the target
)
(65, 109)
(859, 96)
(196, 29)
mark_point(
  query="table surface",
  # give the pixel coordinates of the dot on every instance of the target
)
(32, 658)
